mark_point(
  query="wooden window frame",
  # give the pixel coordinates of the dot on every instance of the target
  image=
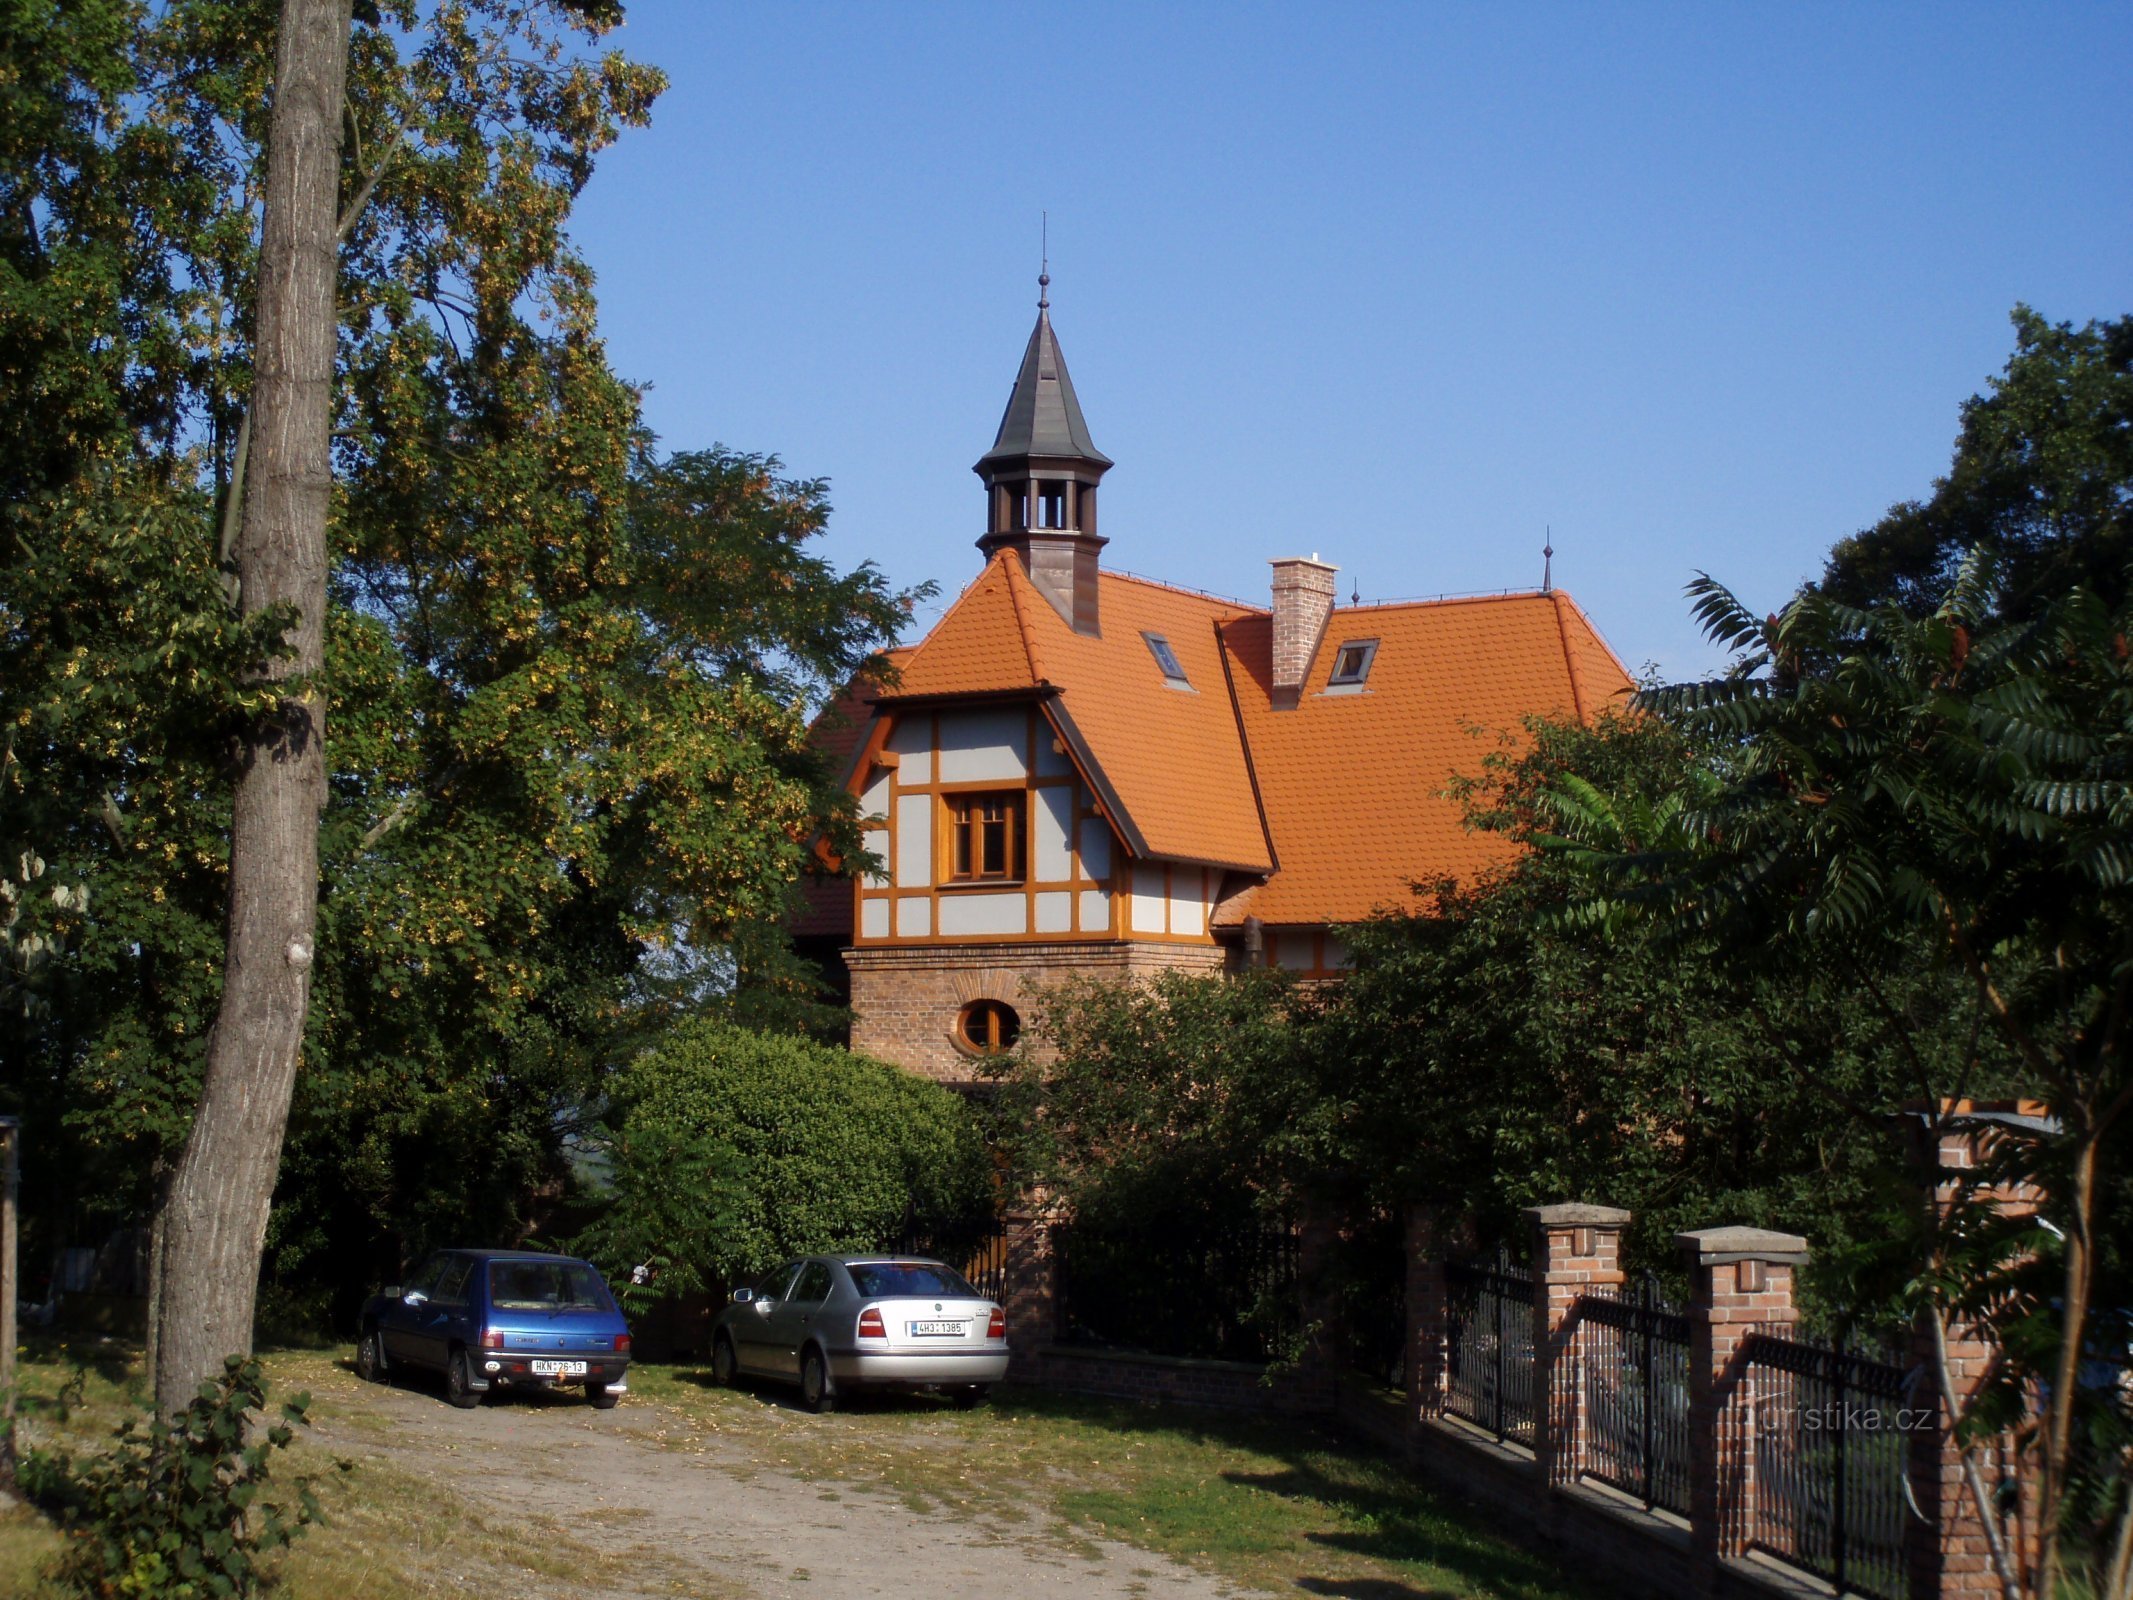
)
(990, 1043)
(957, 833)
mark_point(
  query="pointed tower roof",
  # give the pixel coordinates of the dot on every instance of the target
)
(1043, 418)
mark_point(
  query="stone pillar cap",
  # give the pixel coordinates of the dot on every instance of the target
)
(1714, 1245)
(1576, 1214)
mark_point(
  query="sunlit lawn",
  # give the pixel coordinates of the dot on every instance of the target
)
(1274, 1504)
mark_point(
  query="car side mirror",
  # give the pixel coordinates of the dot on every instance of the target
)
(415, 1297)
(765, 1306)
(742, 1296)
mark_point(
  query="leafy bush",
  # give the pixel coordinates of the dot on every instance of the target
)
(177, 1510)
(733, 1150)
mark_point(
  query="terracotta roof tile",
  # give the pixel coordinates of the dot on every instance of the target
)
(1355, 784)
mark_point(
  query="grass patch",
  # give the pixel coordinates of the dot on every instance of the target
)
(1277, 1504)
(390, 1533)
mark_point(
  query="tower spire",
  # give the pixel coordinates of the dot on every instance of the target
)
(1042, 472)
(1547, 559)
(1044, 261)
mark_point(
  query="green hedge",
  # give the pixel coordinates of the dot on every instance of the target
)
(734, 1150)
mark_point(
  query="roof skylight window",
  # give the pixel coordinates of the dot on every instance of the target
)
(1351, 665)
(1167, 659)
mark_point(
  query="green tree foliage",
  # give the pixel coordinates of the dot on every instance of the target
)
(1507, 1043)
(1177, 1126)
(568, 678)
(1632, 1070)
(2042, 479)
(733, 1150)
(1965, 780)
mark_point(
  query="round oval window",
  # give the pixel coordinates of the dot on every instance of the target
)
(989, 1027)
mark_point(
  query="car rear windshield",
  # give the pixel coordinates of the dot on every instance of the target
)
(545, 1286)
(880, 1280)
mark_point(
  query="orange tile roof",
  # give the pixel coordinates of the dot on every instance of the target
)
(1351, 787)
(1354, 785)
(1173, 758)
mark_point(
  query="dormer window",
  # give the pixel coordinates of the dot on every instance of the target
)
(1167, 659)
(1351, 665)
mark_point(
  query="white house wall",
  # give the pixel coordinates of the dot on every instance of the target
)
(1069, 848)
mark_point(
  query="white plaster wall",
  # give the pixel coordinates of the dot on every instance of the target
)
(982, 746)
(1095, 848)
(874, 918)
(914, 917)
(1095, 911)
(874, 798)
(912, 739)
(876, 841)
(1188, 908)
(1055, 911)
(1050, 829)
(914, 840)
(1148, 899)
(963, 914)
(1051, 763)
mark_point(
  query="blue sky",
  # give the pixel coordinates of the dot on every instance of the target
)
(1698, 287)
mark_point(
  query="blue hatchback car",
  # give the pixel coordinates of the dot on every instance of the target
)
(499, 1319)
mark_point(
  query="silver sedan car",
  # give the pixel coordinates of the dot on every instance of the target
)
(837, 1323)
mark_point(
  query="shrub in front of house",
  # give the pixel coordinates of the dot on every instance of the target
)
(734, 1150)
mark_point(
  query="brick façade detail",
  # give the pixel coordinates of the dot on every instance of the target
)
(905, 998)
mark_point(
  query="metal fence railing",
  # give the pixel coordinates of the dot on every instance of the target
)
(1830, 1457)
(977, 1249)
(1491, 1346)
(1634, 1371)
(1229, 1293)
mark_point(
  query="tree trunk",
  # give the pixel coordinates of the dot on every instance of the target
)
(216, 1216)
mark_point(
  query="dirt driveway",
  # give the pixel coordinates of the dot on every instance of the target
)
(675, 1504)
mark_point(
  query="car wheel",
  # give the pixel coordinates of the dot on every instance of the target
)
(971, 1398)
(816, 1391)
(370, 1357)
(725, 1366)
(602, 1397)
(459, 1382)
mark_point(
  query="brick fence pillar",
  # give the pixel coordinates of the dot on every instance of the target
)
(1031, 1295)
(1947, 1555)
(1741, 1282)
(1434, 1234)
(1576, 1250)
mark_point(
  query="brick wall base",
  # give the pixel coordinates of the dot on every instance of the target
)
(905, 997)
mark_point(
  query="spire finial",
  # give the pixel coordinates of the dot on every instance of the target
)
(1547, 560)
(1044, 269)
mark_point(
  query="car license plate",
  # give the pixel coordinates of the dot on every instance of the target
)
(558, 1369)
(936, 1330)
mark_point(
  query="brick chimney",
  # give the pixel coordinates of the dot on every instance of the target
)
(1303, 600)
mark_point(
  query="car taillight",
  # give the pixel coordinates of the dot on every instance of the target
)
(870, 1325)
(997, 1327)
(622, 1344)
(492, 1338)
